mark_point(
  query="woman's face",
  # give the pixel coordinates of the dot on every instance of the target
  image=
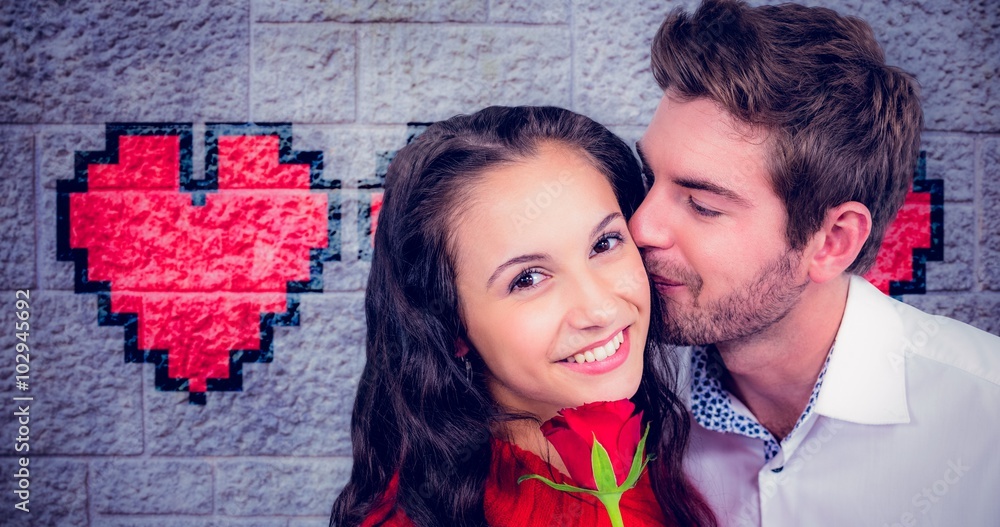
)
(552, 289)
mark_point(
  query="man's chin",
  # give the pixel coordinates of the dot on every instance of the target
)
(678, 334)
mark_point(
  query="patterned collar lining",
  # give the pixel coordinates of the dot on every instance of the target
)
(713, 409)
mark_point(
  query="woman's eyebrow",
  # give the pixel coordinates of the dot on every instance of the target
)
(604, 223)
(524, 258)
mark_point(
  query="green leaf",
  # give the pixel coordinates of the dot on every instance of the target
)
(639, 462)
(604, 471)
(553, 484)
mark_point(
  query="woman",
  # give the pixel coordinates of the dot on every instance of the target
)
(504, 286)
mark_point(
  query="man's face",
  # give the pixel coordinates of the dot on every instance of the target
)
(711, 229)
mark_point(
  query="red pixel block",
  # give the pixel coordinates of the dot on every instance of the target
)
(911, 230)
(375, 208)
(915, 237)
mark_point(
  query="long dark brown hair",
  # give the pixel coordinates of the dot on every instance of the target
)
(416, 414)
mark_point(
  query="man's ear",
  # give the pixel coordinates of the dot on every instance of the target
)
(836, 245)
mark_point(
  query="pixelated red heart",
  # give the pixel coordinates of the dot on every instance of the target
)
(911, 230)
(374, 207)
(198, 277)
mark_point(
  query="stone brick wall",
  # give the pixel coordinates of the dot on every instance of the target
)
(106, 448)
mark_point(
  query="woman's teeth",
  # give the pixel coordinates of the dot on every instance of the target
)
(599, 353)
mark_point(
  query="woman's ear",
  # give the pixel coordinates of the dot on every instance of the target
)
(461, 347)
(836, 245)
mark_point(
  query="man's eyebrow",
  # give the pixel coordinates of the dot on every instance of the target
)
(524, 258)
(646, 169)
(692, 182)
(707, 186)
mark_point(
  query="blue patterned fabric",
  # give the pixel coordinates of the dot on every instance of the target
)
(713, 409)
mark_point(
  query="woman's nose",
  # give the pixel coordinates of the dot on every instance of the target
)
(594, 302)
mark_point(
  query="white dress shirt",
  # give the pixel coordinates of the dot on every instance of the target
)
(903, 429)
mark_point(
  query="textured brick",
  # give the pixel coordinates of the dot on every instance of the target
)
(352, 273)
(321, 521)
(303, 73)
(299, 404)
(952, 158)
(958, 306)
(350, 152)
(530, 11)
(53, 274)
(954, 273)
(979, 310)
(306, 486)
(411, 74)
(629, 134)
(142, 61)
(367, 11)
(346, 276)
(186, 521)
(612, 82)
(952, 49)
(86, 398)
(58, 492)
(57, 152)
(58, 147)
(949, 48)
(989, 273)
(154, 486)
(988, 313)
(17, 210)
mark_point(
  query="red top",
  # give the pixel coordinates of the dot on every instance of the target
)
(533, 502)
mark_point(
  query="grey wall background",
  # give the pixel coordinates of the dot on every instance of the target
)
(109, 450)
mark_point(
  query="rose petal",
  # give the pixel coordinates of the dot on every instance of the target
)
(573, 430)
(628, 441)
(575, 452)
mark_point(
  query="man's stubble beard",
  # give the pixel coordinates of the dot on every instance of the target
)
(743, 313)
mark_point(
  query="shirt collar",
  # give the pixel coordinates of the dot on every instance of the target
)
(866, 379)
(715, 409)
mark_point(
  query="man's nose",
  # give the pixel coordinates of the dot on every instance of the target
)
(649, 224)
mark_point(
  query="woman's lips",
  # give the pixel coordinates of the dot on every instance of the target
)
(597, 367)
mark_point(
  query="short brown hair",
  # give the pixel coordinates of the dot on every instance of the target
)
(844, 125)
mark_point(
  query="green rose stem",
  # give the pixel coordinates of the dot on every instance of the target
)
(608, 491)
(610, 502)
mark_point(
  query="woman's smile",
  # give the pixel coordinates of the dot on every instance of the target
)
(601, 359)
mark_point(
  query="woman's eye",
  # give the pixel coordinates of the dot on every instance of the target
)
(607, 243)
(527, 280)
(702, 211)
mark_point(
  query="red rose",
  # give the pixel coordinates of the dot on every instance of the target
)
(573, 430)
(603, 450)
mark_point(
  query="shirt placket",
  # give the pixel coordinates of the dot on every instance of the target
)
(716, 409)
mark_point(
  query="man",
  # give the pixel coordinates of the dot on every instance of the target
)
(781, 150)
